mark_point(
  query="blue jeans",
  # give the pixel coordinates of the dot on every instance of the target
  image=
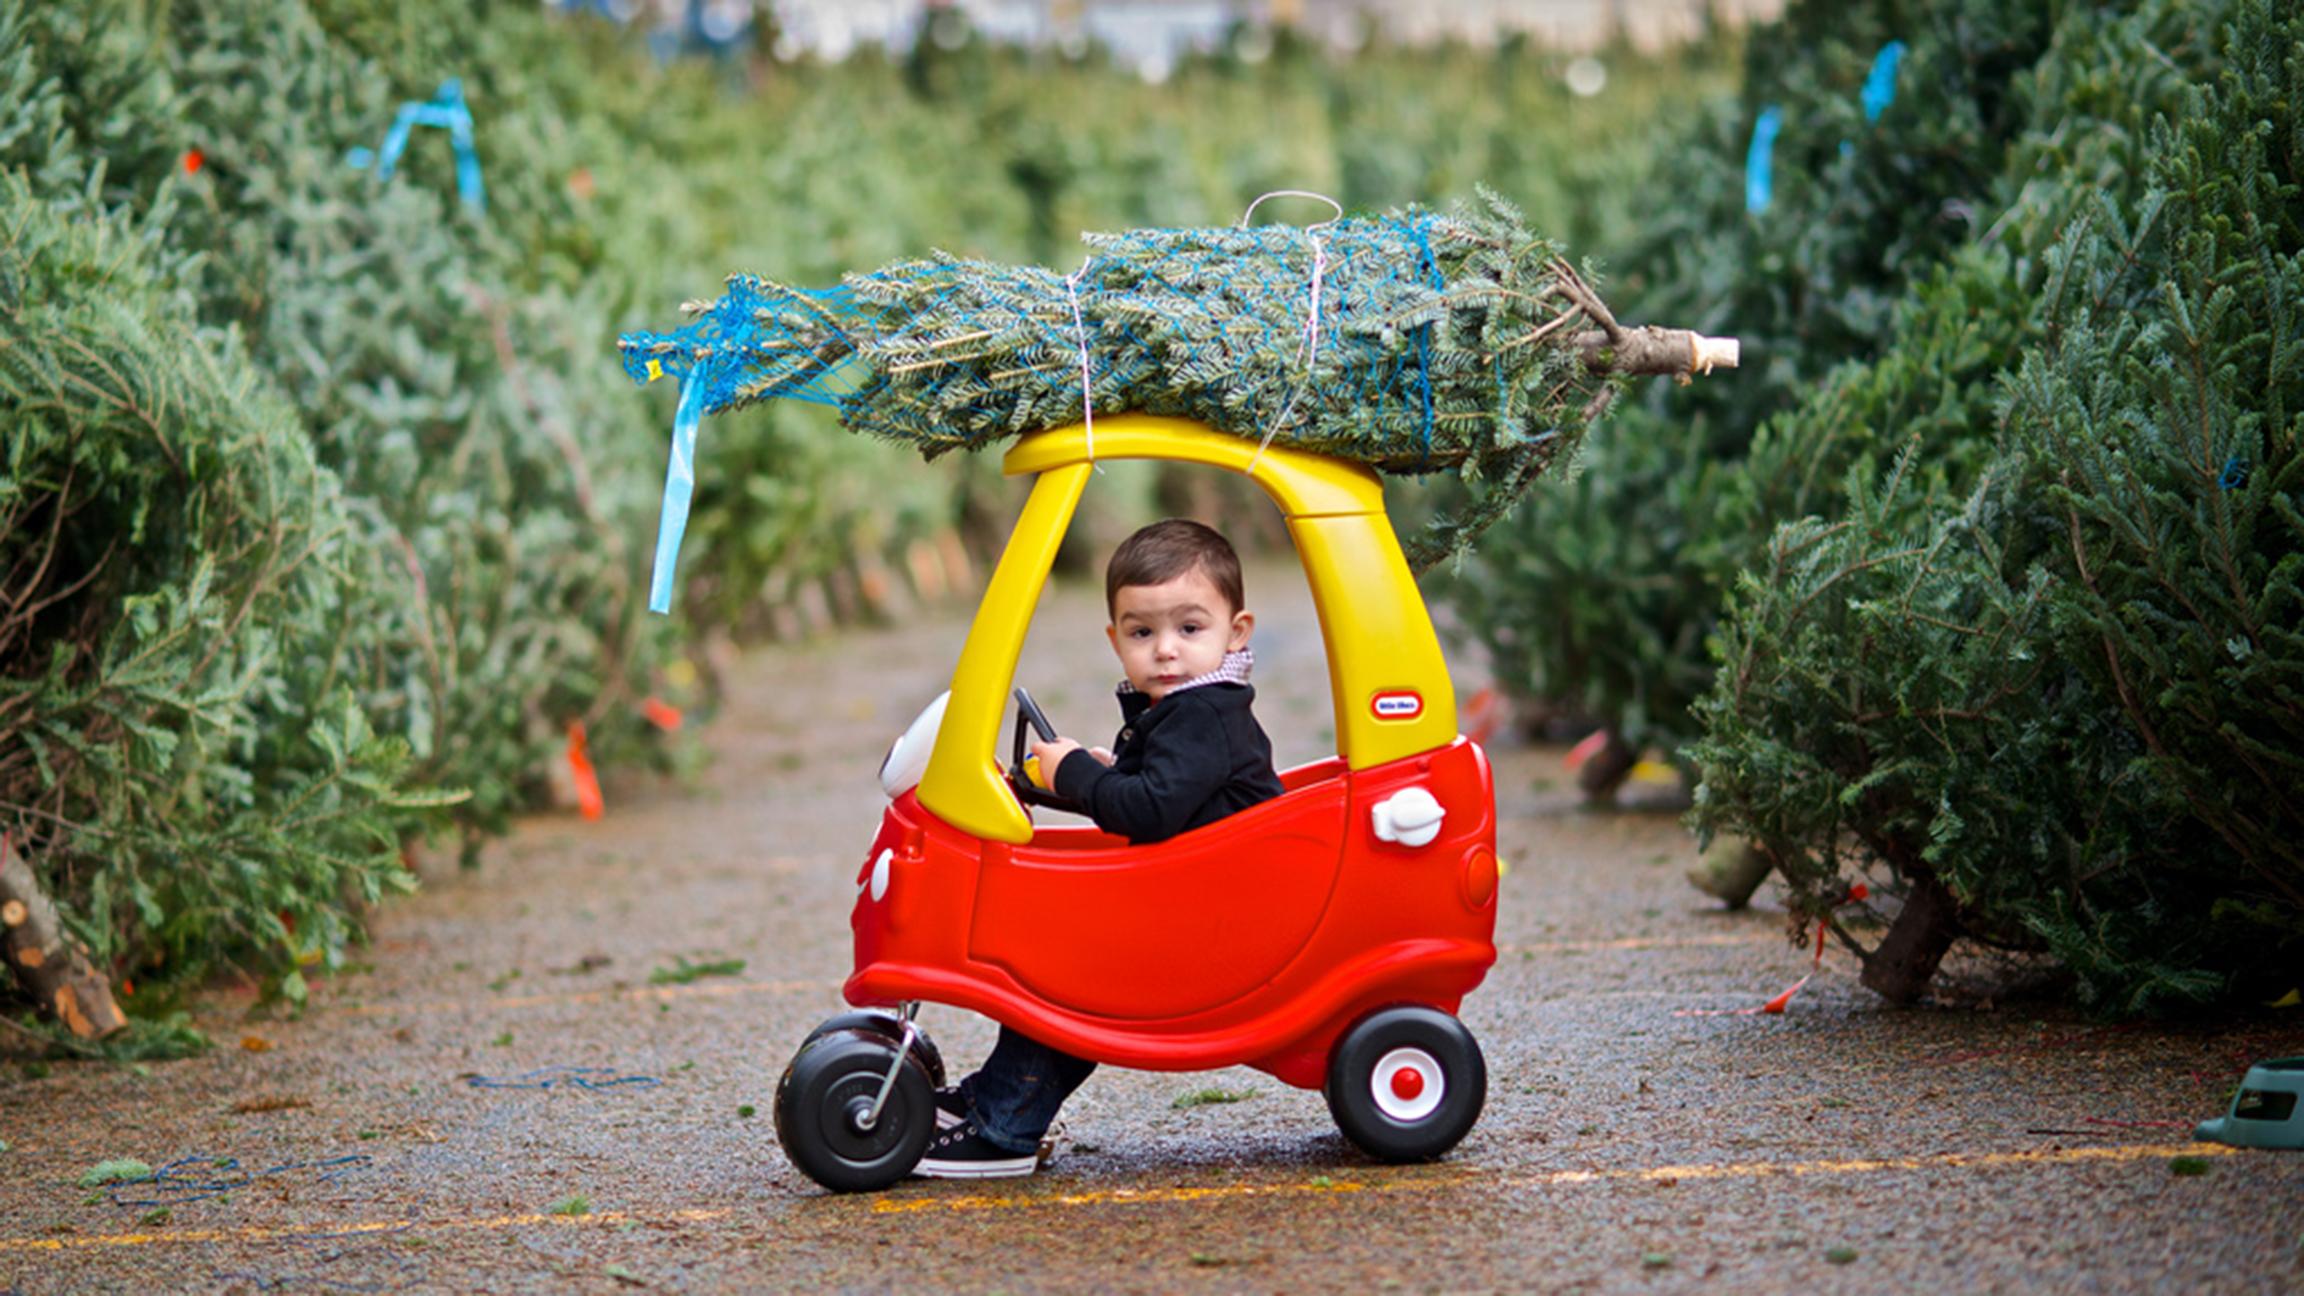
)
(1014, 1096)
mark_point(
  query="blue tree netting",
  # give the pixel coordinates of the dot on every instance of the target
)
(1429, 347)
(1411, 341)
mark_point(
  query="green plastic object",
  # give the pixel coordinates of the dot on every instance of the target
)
(2265, 1112)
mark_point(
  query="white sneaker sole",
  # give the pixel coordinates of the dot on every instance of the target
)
(1012, 1168)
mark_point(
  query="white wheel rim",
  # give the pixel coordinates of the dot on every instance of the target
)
(1411, 1069)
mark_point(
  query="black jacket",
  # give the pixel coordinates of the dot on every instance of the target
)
(1193, 759)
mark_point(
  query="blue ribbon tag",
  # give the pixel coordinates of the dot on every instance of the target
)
(679, 489)
(446, 110)
(1880, 85)
(1759, 181)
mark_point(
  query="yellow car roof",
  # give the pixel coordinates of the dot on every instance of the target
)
(1387, 678)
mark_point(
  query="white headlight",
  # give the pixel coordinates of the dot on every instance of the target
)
(907, 760)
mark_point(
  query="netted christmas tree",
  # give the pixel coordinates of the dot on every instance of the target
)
(184, 780)
(2058, 712)
(355, 545)
(1413, 342)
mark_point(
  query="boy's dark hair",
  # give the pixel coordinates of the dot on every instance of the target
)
(1168, 549)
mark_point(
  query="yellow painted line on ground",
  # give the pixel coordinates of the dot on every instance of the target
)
(932, 1201)
(72, 1242)
(1550, 1178)
(632, 994)
(1146, 1196)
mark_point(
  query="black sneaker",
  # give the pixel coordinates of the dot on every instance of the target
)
(951, 1108)
(962, 1153)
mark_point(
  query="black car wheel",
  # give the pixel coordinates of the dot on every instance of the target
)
(823, 1112)
(885, 1023)
(1406, 1083)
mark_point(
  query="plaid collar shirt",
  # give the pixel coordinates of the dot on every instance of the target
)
(1233, 670)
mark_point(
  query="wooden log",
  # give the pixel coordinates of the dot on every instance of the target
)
(50, 965)
(1649, 349)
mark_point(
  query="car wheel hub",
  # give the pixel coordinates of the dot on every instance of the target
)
(1408, 1084)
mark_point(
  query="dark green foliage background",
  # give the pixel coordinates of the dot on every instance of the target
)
(2077, 696)
(170, 727)
(388, 499)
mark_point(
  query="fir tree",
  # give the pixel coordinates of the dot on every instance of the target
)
(187, 785)
(2063, 715)
(1411, 341)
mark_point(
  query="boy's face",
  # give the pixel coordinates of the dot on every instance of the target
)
(1175, 631)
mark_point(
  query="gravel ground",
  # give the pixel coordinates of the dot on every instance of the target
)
(499, 1099)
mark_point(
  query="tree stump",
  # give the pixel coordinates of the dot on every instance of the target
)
(1731, 871)
(1906, 960)
(1602, 774)
(45, 960)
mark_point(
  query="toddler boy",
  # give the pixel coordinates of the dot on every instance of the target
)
(1189, 753)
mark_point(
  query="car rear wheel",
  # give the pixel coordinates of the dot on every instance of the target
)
(1406, 1083)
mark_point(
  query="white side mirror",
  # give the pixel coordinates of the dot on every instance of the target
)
(1410, 817)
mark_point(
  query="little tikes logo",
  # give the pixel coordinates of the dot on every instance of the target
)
(1397, 704)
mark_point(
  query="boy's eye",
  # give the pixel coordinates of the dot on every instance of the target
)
(1191, 627)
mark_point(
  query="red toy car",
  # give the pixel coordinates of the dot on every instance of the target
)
(1325, 937)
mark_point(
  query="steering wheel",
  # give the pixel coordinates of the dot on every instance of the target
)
(1028, 713)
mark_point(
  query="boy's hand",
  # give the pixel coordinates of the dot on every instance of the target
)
(1102, 754)
(1049, 755)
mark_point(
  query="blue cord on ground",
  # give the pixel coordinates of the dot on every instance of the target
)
(562, 1077)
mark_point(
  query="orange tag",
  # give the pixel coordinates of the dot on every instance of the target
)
(1856, 893)
(1481, 715)
(1587, 749)
(1781, 1002)
(1773, 1008)
(588, 800)
(662, 714)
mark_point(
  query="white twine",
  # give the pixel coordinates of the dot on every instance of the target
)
(1294, 193)
(1080, 333)
(1309, 353)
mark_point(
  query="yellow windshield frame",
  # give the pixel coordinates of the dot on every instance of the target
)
(1387, 679)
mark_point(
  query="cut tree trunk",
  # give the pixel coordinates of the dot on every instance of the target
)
(1731, 870)
(1647, 349)
(1906, 960)
(1603, 773)
(46, 961)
